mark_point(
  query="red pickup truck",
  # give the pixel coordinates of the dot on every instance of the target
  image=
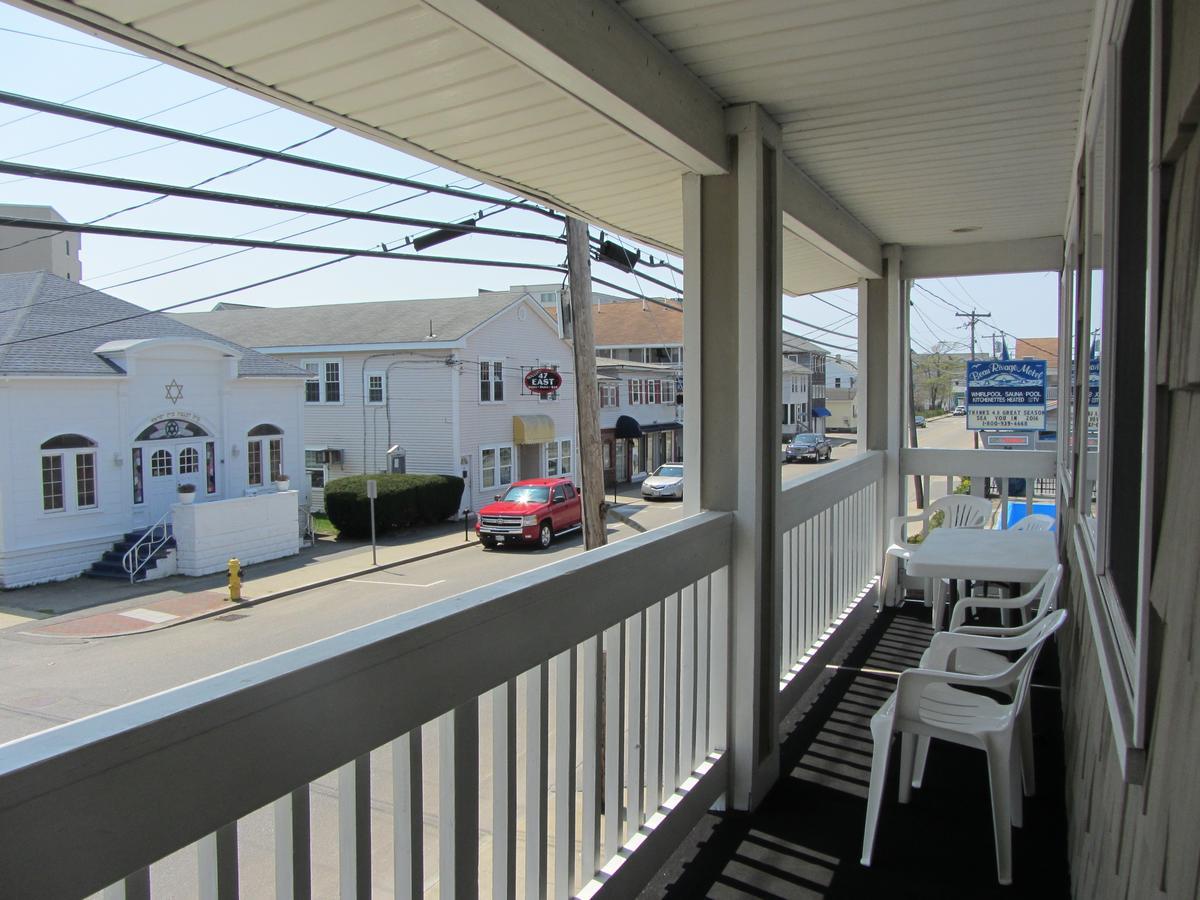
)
(534, 510)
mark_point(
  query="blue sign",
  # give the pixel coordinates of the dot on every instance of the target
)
(1008, 394)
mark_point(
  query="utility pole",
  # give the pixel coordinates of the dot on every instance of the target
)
(973, 318)
(918, 485)
(587, 399)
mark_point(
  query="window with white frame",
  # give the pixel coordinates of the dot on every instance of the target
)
(1112, 350)
(256, 437)
(491, 381)
(376, 388)
(324, 384)
(495, 466)
(635, 391)
(609, 395)
(189, 461)
(559, 457)
(63, 456)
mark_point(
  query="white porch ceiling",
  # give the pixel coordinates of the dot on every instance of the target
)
(915, 116)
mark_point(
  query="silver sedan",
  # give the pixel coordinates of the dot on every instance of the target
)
(667, 481)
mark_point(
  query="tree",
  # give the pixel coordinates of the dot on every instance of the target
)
(934, 374)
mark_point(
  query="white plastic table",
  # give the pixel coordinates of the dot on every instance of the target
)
(980, 554)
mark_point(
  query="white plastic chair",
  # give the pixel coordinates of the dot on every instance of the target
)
(1034, 522)
(960, 511)
(1044, 594)
(931, 703)
(951, 655)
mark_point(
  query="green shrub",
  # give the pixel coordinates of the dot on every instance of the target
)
(403, 500)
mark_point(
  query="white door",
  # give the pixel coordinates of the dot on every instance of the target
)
(165, 466)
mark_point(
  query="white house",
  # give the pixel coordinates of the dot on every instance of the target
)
(108, 408)
(641, 421)
(841, 394)
(432, 386)
(794, 390)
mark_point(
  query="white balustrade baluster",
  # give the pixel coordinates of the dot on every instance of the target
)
(614, 731)
(354, 828)
(687, 680)
(590, 736)
(652, 748)
(217, 856)
(458, 802)
(703, 588)
(670, 748)
(564, 773)
(293, 846)
(537, 689)
(504, 791)
(635, 721)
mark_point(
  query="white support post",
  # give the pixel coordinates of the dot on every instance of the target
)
(883, 359)
(732, 363)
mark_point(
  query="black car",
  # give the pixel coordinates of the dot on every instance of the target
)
(804, 447)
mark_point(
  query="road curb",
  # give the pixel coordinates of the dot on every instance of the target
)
(265, 598)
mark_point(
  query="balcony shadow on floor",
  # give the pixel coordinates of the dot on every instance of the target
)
(805, 839)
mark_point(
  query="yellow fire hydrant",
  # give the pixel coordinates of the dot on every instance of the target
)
(235, 580)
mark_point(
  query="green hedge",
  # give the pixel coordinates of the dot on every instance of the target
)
(403, 500)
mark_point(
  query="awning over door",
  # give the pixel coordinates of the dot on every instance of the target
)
(533, 429)
(627, 427)
(820, 412)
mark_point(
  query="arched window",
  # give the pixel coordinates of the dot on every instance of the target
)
(256, 437)
(189, 461)
(68, 442)
(160, 463)
(65, 456)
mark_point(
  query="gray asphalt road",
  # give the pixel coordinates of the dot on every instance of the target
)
(44, 683)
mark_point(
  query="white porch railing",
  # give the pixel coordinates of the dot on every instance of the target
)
(831, 555)
(992, 472)
(641, 623)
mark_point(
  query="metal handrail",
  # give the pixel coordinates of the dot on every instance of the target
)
(139, 555)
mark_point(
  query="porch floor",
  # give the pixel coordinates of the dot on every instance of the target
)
(806, 838)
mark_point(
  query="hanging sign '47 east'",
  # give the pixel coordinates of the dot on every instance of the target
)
(543, 381)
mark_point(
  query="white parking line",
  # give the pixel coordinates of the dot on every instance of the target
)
(399, 583)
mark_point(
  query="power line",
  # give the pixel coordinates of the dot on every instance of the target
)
(56, 40)
(133, 153)
(852, 337)
(130, 208)
(192, 193)
(249, 150)
(114, 231)
(95, 90)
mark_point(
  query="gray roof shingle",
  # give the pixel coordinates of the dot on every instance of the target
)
(49, 325)
(340, 324)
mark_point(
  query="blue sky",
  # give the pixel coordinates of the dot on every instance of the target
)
(49, 61)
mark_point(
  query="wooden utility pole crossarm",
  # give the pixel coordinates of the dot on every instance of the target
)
(587, 399)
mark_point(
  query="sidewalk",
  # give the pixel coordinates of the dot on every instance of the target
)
(95, 608)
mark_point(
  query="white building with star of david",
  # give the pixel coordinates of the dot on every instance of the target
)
(109, 409)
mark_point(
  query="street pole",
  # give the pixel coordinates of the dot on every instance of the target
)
(918, 485)
(972, 318)
(372, 493)
(587, 399)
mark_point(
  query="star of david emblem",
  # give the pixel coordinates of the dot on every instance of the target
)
(174, 391)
